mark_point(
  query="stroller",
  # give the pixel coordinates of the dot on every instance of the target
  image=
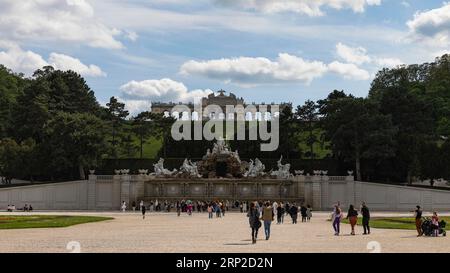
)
(428, 228)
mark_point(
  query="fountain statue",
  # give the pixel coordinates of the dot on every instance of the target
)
(189, 169)
(255, 169)
(221, 162)
(161, 171)
(283, 171)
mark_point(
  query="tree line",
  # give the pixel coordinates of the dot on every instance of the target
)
(53, 128)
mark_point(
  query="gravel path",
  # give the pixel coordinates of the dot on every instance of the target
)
(165, 232)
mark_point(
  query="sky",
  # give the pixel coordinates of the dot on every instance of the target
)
(144, 51)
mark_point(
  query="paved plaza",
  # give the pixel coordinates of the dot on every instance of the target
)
(165, 232)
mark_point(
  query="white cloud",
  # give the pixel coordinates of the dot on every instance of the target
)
(160, 90)
(157, 18)
(308, 7)
(356, 55)
(131, 35)
(388, 62)
(138, 95)
(441, 53)
(432, 26)
(135, 106)
(405, 4)
(65, 62)
(55, 20)
(26, 61)
(18, 60)
(248, 71)
(348, 71)
(359, 56)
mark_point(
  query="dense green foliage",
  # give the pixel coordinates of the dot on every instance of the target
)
(52, 128)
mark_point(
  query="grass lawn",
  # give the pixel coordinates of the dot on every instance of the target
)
(396, 223)
(45, 221)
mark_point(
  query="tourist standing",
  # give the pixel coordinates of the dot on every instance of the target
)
(280, 213)
(352, 216)
(218, 212)
(210, 211)
(303, 212)
(178, 207)
(244, 206)
(435, 223)
(255, 223)
(286, 208)
(267, 215)
(223, 208)
(336, 219)
(143, 209)
(308, 212)
(141, 204)
(418, 217)
(365, 218)
(189, 209)
(275, 207)
(124, 206)
(294, 213)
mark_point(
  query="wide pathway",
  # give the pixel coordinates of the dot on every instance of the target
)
(165, 232)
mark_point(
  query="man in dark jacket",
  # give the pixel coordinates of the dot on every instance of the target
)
(303, 211)
(293, 211)
(366, 218)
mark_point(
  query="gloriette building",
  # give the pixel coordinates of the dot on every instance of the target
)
(252, 111)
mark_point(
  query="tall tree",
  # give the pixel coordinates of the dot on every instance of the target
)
(74, 141)
(414, 120)
(11, 86)
(288, 132)
(117, 114)
(357, 131)
(308, 116)
(142, 125)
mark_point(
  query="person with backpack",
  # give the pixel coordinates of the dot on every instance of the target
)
(255, 223)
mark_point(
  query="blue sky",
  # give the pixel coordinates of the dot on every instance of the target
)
(262, 50)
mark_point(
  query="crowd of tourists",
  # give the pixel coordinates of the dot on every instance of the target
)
(352, 216)
(217, 207)
(266, 212)
(424, 226)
